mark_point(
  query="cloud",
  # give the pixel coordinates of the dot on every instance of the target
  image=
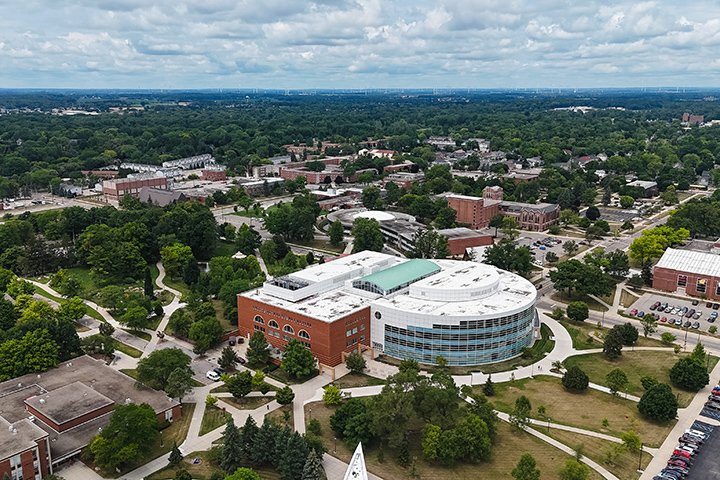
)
(357, 43)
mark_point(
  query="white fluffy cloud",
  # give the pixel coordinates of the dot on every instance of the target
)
(357, 43)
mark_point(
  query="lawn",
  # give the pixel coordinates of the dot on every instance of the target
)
(582, 334)
(583, 410)
(249, 214)
(353, 380)
(205, 469)
(246, 403)
(283, 416)
(46, 294)
(627, 298)
(635, 365)
(226, 324)
(281, 376)
(509, 446)
(624, 465)
(224, 249)
(127, 349)
(592, 304)
(178, 285)
(213, 418)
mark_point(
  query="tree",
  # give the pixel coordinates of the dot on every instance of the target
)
(581, 278)
(631, 441)
(295, 220)
(689, 374)
(618, 264)
(34, 352)
(123, 440)
(182, 474)
(72, 310)
(616, 380)
(431, 441)
(336, 233)
(332, 395)
(575, 379)
(239, 384)
(520, 416)
(257, 351)
(106, 329)
(285, 395)
(297, 360)
(247, 239)
(232, 447)
(592, 213)
(508, 256)
(175, 456)
(636, 281)
(429, 244)
(526, 468)
(367, 235)
(148, 284)
(228, 358)
(574, 470)
(626, 201)
(179, 383)
(510, 228)
(551, 257)
(578, 311)
(496, 222)
(629, 333)
(292, 454)
(371, 198)
(489, 387)
(593, 232)
(612, 346)
(155, 369)
(244, 473)
(175, 257)
(570, 247)
(191, 273)
(313, 469)
(135, 317)
(649, 325)
(355, 362)
(205, 333)
(658, 403)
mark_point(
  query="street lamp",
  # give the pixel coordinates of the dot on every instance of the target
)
(686, 333)
(335, 445)
(640, 461)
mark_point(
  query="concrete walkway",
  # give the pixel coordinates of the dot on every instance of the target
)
(168, 310)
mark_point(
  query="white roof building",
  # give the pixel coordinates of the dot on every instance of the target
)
(690, 261)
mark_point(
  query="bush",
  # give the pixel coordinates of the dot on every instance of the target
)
(667, 338)
(355, 362)
(332, 395)
(314, 427)
(575, 379)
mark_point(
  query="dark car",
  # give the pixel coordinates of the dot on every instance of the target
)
(708, 305)
(716, 306)
(687, 324)
(654, 306)
(690, 313)
(695, 302)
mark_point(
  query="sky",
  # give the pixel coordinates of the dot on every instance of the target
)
(293, 44)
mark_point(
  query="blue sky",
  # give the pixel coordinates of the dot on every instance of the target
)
(358, 44)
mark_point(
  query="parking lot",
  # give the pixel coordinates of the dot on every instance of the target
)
(705, 464)
(540, 251)
(647, 300)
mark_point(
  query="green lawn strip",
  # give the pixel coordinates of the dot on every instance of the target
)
(140, 334)
(353, 380)
(204, 469)
(247, 403)
(224, 249)
(613, 456)
(585, 410)
(248, 214)
(280, 375)
(509, 445)
(219, 314)
(213, 418)
(127, 349)
(178, 285)
(635, 365)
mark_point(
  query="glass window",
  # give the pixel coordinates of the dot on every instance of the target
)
(288, 329)
(304, 334)
(717, 289)
(259, 319)
(701, 285)
(273, 324)
(348, 333)
(682, 280)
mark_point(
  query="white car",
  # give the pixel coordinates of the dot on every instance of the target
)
(213, 375)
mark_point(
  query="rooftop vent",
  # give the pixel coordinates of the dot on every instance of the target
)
(42, 400)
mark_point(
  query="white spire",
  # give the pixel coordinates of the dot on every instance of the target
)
(356, 469)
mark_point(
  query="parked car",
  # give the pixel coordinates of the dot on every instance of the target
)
(697, 315)
(695, 302)
(684, 310)
(633, 312)
(676, 310)
(681, 453)
(213, 375)
(654, 306)
(669, 309)
(663, 319)
(678, 322)
(641, 314)
(687, 324)
(716, 306)
(690, 313)
(700, 433)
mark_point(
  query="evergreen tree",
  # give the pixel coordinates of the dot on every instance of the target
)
(232, 447)
(263, 453)
(257, 351)
(526, 469)
(148, 284)
(489, 387)
(248, 435)
(175, 455)
(313, 469)
(191, 273)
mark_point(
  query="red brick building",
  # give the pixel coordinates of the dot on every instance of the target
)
(118, 188)
(688, 272)
(473, 211)
(461, 238)
(213, 174)
(24, 450)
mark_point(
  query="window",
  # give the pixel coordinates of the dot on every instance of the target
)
(717, 289)
(362, 338)
(259, 328)
(362, 326)
(307, 344)
(378, 315)
(701, 285)
(273, 324)
(348, 333)
(354, 330)
(304, 334)
(288, 329)
(259, 319)
(682, 280)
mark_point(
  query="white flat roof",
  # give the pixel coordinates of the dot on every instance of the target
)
(341, 265)
(327, 307)
(700, 263)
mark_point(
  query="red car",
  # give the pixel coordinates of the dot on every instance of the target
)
(633, 312)
(682, 453)
(663, 319)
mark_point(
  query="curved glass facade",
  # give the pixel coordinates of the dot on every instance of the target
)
(466, 343)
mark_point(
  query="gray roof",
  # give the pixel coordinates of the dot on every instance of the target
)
(642, 184)
(69, 402)
(699, 263)
(460, 232)
(517, 206)
(160, 196)
(18, 437)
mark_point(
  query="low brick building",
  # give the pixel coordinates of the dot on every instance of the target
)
(116, 189)
(688, 272)
(461, 238)
(54, 415)
(214, 173)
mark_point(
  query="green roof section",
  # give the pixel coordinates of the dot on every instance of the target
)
(402, 274)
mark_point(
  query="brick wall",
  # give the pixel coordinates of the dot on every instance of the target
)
(667, 280)
(457, 246)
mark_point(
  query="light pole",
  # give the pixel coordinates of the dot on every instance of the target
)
(335, 445)
(640, 461)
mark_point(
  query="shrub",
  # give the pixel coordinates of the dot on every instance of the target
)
(577, 311)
